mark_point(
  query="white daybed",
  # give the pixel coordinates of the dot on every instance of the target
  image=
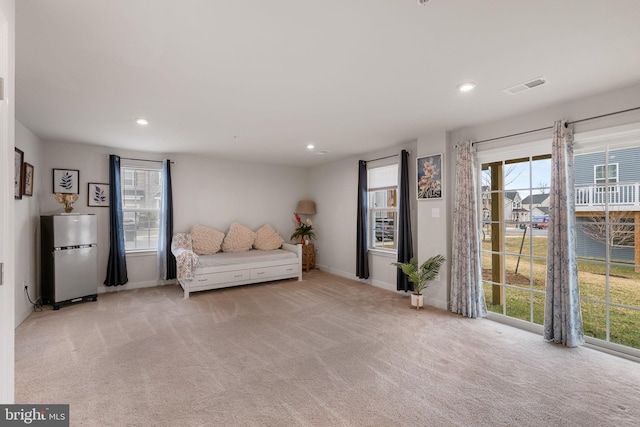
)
(221, 269)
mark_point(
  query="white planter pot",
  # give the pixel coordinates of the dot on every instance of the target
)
(417, 301)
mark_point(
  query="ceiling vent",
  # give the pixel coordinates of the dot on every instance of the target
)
(538, 81)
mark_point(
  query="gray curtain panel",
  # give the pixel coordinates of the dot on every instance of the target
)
(562, 315)
(117, 264)
(405, 243)
(467, 294)
(166, 260)
(362, 260)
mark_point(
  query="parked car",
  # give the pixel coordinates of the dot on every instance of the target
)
(384, 229)
(540, 222)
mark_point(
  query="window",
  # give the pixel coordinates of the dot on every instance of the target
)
(383, 207)
(601, 175)
(601, 178)
(141, 194)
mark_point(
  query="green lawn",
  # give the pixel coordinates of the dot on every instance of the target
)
(529, 282)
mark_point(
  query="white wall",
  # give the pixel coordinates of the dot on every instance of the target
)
(26, 228)
(7, 126)
(334, 187)
(433, 221)
(207, 191)
(216, 193)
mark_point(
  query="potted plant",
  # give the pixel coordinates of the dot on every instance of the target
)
(304, 230)
(420, 277)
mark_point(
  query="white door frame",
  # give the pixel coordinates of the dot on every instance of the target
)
(7, 237)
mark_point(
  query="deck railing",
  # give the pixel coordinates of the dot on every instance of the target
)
(623, 196)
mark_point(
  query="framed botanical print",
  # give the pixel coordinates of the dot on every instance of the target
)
(66, 181)
(98, 194)
(27, 179)
(430, 176)
(18, 160)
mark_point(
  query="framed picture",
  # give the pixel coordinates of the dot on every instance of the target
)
(18, 159)
(27, 179)
(430, 177)
(66, 181)
(98, 194)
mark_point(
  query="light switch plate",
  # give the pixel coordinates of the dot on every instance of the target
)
(435, 212)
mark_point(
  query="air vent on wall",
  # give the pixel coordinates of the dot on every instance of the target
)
(538, 81)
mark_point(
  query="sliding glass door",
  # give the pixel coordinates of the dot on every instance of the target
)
(514, 207)
(515, 211)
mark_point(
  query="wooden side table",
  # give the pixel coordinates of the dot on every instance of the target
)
(308, 257)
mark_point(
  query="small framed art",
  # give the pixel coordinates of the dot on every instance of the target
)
(98, 194)
(430, 177)
(66, 181)
(18, 159)
(27, 179)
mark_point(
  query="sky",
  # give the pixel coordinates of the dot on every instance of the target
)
(519, 178)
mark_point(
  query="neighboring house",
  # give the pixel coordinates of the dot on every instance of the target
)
(513, 209)
(612, 185)
(537, 201)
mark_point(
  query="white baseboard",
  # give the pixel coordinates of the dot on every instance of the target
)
(340, 273)
(23, 316)
(383, 285)
(135, 285)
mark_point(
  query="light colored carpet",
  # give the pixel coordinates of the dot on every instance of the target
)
(327, 351)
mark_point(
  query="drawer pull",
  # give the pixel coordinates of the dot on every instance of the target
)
(202, 280)
(238, 275)
(260, 272)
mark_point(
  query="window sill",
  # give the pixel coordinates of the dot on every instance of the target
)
(149, 252)
(382, 253)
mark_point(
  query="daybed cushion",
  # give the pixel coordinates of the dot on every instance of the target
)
(254, 255)
(238, 239)
(267, 239)
(205, 240)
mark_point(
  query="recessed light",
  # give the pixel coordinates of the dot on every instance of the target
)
(466, 86)
(310, 146)
(142, 122)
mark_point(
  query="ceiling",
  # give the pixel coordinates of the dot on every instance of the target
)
(259, 80)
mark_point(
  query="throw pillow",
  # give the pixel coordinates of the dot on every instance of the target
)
(267, 239)
(205, 240)
(238, 239)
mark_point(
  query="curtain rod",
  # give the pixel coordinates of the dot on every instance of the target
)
(382, 158)
(141, 160)
(551, 127)
(387, 157)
